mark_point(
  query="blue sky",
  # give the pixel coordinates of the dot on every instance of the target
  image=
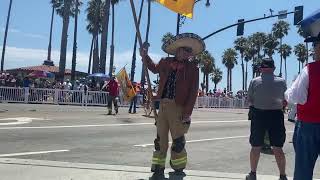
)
(30, 23)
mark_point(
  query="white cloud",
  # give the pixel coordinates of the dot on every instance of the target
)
(30, 35)
(22, 57)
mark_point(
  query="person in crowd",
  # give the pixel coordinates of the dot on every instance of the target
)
(305, 92)
(133, 103)
(178, 89)
(266, 97)
(113, 89)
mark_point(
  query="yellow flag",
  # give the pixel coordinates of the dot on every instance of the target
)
(184, 7)
(126, 85)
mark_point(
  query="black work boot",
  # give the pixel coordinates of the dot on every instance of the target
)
(251, 176)
(283, 177)
(178, 172)
(158, 174)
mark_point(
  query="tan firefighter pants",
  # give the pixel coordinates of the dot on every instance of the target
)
(170, 119)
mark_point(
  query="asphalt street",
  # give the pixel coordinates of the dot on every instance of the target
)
(217, 139)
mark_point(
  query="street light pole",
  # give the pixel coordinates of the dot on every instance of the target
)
(243, 22)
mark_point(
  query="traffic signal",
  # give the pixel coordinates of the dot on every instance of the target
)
(298, 14)
(240, 27)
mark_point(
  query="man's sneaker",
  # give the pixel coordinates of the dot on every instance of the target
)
(116, 111)
(283, 177)
(251, 176)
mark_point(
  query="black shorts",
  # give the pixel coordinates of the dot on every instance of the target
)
(271, 121)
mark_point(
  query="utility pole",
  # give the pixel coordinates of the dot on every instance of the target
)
(5, 37)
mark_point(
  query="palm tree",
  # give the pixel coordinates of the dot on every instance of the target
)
(271, 45)
(113, 2)
(286, 51)
(48, 61)
(207, 64)
(279, 30)
(257, 40)
(301, 33)
(74, 52)
(5, 36)
(248, 55)
(229, 59)
(94, 27)
(65, 9)
(104, 35)
(216, 77)
(90, 56)
(300, 51)
(240, 45)
(167, 37)
(134, 54)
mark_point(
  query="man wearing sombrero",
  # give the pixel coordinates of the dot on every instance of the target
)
(178, 89)
(305, 92)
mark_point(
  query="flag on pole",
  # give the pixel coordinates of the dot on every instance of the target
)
(184, 7)
(125, 85)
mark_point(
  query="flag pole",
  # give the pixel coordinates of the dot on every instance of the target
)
(141, 45)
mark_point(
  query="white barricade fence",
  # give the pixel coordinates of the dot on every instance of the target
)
(98, 98)
(45, 96)
(11, 94)
(220, 102)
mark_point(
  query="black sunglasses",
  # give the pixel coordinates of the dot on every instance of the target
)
(187, 49)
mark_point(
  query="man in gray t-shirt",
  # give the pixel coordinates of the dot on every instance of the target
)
(266, 98)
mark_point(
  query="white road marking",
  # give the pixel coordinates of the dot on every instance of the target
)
(203, 140)
(200, 140)
(19, 120)
(109, 125)
(32, 153)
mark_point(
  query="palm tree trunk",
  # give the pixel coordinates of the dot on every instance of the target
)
(134, 55)
(280, 58)
(207, 82)
(246, 78)
(95, 64)
(285, 68)
(299, 67)
(204, 79)
(5, 36)
(112, 43)
(243, 77)
(90, 56)
(215, 86)
(74, 52)
(230, 79)
(64, 41)
(50, 37)
(104, 37)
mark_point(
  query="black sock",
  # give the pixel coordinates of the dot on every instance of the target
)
(253, 173)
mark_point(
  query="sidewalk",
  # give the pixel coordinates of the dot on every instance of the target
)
(24, 169)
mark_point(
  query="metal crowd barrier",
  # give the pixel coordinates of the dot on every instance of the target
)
(221, 102)
(97, 98)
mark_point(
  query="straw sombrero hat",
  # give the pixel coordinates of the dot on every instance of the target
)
(190, 40)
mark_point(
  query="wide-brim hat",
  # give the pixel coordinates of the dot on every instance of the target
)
(189, 40)
(311, 27)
